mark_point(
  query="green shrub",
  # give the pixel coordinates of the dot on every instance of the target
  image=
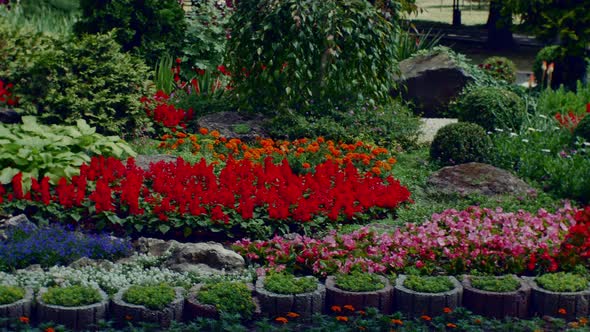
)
(459, 143)
(359, 282)
(10, 294)
(228, 297)
(88, 79)
(71, 296)
(423, 284)
(562, 282)
(293, 54)
(54, 151)
(492, 108)
(496, 284)
(153, 297)
(500, 68)
(150, 28)
(583, 129)
(283, 283)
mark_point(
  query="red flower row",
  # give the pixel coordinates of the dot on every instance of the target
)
(5, 95)
(571, 119)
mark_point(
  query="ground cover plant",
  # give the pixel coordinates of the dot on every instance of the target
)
(228, 297)
(495, 284)
(423, 284)
(562, 282)
(152, 297)
(72, 296)
(286, 283)
(359, 282)
(10, 294)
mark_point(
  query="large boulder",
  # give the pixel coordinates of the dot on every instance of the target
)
(235, 125)
(8, 115)
(476, 178)
(212, 254)
(21, 222)
(431, 81)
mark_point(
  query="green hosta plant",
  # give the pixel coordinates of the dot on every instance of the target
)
(37, 150)
(284, 283)
(493, 284)
(422, 284)
(72, 296)
(359, 282)
(10, 294)
(153, 297)
(562, 282)
(228, 297)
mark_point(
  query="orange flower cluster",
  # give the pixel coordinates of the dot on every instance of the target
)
(303, 152)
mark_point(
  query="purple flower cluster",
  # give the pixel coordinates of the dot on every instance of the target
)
(56, 244)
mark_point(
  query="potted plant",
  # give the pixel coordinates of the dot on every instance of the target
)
(496, 297)
(209, 300)
(76, 307)
(427, 295)
(159, 304)
(280, 293)
(560, 294)
(15, 302)
(361, 290)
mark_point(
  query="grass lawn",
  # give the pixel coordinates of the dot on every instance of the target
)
(472, 12)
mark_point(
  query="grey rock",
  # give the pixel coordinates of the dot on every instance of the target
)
(476, 178)
(155, 247)
(85, 262)
(20, 221)
(431, 82)
(198, 269)
(211, 254)
(9, 116)
(144, 161)
(235, 125)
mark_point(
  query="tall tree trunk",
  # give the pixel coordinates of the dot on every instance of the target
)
(499, 26)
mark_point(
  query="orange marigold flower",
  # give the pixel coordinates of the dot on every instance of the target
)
(342, 318)
(49, 329)
(193, 138)
(574, 325)
(166, 136)
(321, 139)
(281, 320)
(376, 170)
(128, 317)
(361, 312)
(349, 307)
(562, 311)
(24, 319)
(362, 328)
(291, 314)
(306, 165)
(426, 318)
(203, 131)
(583, 320)
(397, 322)
(451, 325)
(223, 139)
(181, 135)
(215, 133)
(162, 145)
(180, 141)
(447, 310)
(336, 308)
(477, 321)
(391, 161)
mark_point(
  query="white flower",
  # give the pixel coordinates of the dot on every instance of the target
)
(586, 143)
(531, 129)
(513, 134)
(545, 150)
(499, 130)
(542, 116)
(525, 140)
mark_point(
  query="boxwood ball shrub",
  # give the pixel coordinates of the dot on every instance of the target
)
(460, 143)
(359, 282)
(295, 53)
(493, 284)
(491, 107)
(228, 297)
(88, 78)
(154, 297)
(10, 294)
(434, 284)
(583, 129)
(284, 283)
(500, 68)
(71, 296)
(149, 28)
(562, 282)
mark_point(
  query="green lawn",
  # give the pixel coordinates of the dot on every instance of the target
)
(472, 12)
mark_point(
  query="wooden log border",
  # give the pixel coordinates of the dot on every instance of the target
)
(77, 318)
(124, 312)
(20, 308)
(381, 299)
(417, 304)
(495, 304)
(544, 302)
(306, 304)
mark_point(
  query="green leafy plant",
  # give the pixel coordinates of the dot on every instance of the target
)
(562, 282)
(436, 284)
(228, 297)
(150, 28)
(39, 151)
(48, 17)
(459, 143)
(164, 78)
(491, 108)
(89, 79)
(411, 41)
(583, 129)
(153, 297)
(359, 282)
(500, 68)
(284, 283)
(10, 294)
(71, 296)
(496, 284)
(296, 53)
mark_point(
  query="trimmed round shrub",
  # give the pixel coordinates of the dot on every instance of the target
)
(460, 143)
(228, 297)
(492, 108)
(500, 68)
(90, 79)
(583, 129)
(150, 28)
(294, 54)
(72, 296)
(152, 297)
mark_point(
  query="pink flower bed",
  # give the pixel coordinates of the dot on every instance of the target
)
(452, 241)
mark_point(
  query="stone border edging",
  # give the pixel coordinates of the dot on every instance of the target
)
(76, 318)
(545, 302)
(496, 304)
(432, 304)
(193, 308)
(381, 299)
(123, 311)
(22, 307)
(306, 304)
